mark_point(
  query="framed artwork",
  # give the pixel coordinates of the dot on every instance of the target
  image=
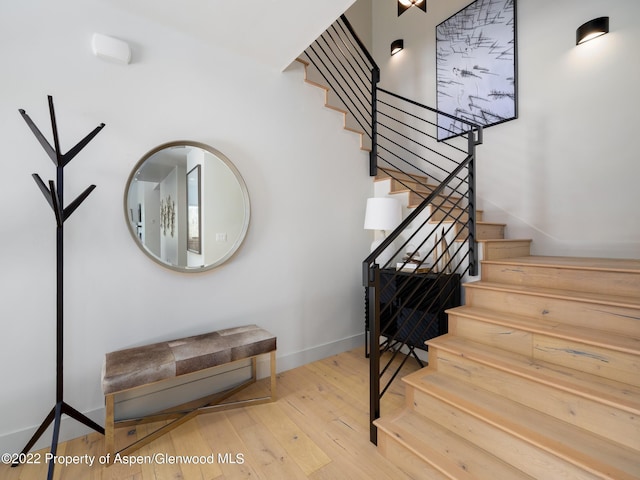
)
(194, 242)
(168, 216)
(476, 66)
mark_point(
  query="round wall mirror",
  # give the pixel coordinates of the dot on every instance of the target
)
(187, 206)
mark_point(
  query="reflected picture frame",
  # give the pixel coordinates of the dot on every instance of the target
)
(194, 214)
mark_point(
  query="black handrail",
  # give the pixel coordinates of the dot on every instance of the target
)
(472, 126)
(399, 305)
(413, 215)
(362, 48)
(346, 66)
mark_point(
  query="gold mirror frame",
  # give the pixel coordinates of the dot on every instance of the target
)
(223, 221)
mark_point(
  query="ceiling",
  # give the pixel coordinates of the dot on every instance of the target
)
(272, 32)
(156, 167)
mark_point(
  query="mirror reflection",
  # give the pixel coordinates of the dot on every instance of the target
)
(187, 206)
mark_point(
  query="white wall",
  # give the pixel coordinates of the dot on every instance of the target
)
(360, 17)
(298, 272)
(565, 172)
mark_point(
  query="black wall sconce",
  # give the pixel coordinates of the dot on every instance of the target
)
(404, 5)
(592, 29)
(396, 46)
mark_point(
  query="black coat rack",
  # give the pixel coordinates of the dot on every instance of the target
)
(54, 196)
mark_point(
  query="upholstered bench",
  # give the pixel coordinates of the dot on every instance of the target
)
(137, 367)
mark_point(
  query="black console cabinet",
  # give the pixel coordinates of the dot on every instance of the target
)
(413, 305)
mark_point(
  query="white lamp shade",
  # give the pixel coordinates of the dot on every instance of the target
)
(383, 213)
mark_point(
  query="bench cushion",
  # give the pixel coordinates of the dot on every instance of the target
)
(134, 367)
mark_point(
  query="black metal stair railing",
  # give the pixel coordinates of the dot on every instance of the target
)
(435, 246)
(348, 69)
(406, 308)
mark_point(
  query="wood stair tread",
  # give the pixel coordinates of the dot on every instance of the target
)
(449, 214)
(575, 445)
(619, 395)
(419, 188)
(582, 263)
(402, 185)
(337, 109)
(387, 173)
(586, 297)
(437, 447)
(416, 188)
(423, 192)
(492, 223)
(600, 338)
(487, 240)
(507, 240)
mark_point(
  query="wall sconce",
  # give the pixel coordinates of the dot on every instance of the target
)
(592, 29)
(110, 48)
(396, 46)
(404, 5)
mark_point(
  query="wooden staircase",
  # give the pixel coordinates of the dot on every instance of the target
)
(538, 377)
(490, 236)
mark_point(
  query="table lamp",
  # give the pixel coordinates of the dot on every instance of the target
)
(382, 213)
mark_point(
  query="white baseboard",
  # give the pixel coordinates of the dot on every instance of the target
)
(14, 442)
(297, 359)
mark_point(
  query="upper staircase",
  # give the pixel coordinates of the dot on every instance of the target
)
(538, 377)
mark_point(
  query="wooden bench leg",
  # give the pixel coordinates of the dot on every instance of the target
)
(273, 376)
(254, 368)
(184, 412)
(109, 427)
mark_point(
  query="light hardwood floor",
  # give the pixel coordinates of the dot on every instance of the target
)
(317, 429)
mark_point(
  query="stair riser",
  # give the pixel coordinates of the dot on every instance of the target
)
(403, 185)
(519, 453)
(405, 177)
(443, 450)
(615, 365)
(615, 319)
(448, 215)
(618, 366)
(613, 283)
(412, 199)
(416, 199)
(499, 250)
(604, 420)
(510, 339)
(485, 232)
(405, 460)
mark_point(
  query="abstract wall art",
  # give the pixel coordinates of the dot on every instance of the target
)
(476, 66)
